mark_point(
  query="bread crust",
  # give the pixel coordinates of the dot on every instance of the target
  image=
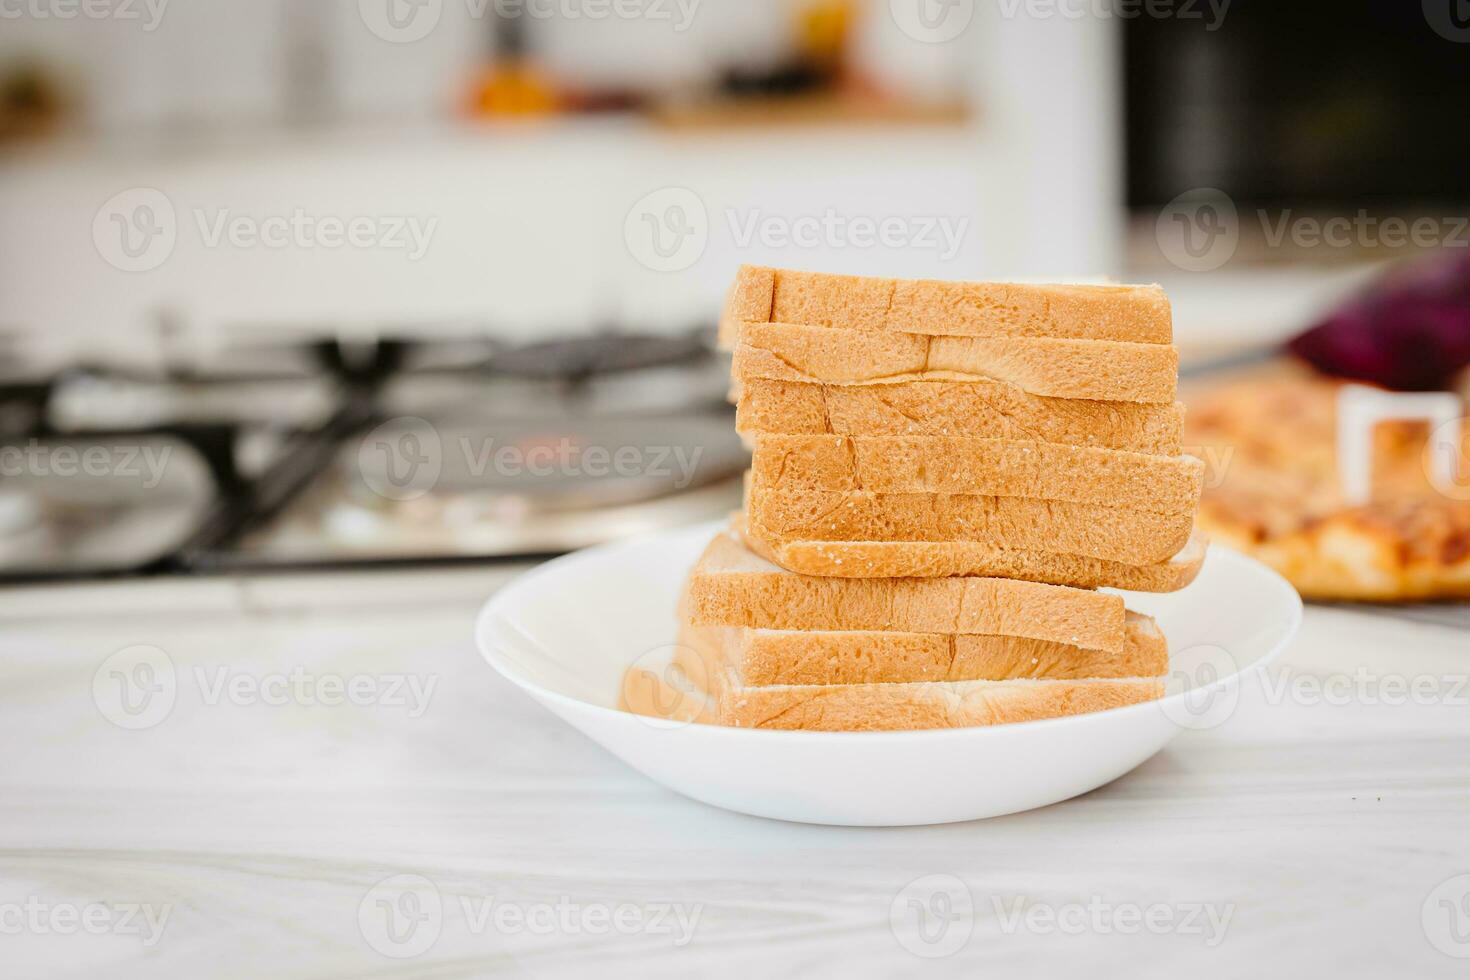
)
(967, 465)
(907, 707)
(1121, 534)
(765, 658)
(1079, 369)
(732, 586)
(930, 559)
(977, 309)
(979, 408)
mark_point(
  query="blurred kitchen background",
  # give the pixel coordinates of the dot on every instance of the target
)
(280, 280)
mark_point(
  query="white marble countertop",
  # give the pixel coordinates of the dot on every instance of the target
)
(244, 832)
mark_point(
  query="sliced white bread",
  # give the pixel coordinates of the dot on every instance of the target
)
(1121, 534)
(927, 559)
(764, 658)
(976, 309)
(966, 465)
(907, 707)
(1103, 370)
(983, 408)
(732, 586)
(903, 707)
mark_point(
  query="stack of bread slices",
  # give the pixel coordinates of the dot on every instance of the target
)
(944, 476)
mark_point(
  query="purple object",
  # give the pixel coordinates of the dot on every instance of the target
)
(1411, 332)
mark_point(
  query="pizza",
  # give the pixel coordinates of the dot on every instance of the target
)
(1272, 491)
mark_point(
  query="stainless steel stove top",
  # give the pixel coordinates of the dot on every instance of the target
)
(336, 453)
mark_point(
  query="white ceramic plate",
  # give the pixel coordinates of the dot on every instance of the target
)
(567, 632)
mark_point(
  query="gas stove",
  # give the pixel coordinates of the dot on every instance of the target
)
(342, 452)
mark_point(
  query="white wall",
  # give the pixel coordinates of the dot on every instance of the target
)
(530, 219)
(529, 225)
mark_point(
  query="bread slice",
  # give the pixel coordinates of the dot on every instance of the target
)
(1134, 537)
(902, 707)
(764, 658)
(732, 586)
(983, 408)
(965, 465)
(909, 707)
(928, 559)
(974, 309)
(1103, 370)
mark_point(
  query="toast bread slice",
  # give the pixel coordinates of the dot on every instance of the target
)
(975, 309)
(909, 707)
(966, 465)
(1101, 370)
(733, 586)
(900, 707)
(980, 408)
(765, 658)
(930, 559)
(1130, 536)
